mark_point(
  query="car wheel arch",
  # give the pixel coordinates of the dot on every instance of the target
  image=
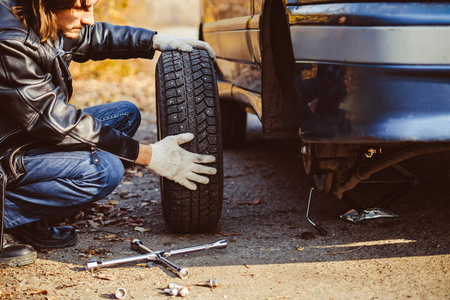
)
(281, 108)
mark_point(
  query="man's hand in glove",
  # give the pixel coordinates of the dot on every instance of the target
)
(169, 160)
(164, 42)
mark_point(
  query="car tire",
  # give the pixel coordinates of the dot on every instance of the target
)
(187, 101)
(234, 124)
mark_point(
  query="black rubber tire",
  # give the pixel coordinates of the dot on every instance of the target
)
(187, 101)
(234, 124)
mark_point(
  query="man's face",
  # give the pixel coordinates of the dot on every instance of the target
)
(71, 21)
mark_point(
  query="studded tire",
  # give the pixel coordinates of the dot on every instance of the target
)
(187, 101)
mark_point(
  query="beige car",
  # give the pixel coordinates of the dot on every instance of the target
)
(364, 85)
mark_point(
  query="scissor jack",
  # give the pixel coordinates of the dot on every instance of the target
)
(377, 209)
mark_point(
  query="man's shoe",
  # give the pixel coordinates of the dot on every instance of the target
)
(41, 236)
(17, 255)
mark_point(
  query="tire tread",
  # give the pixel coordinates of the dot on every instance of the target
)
(187, 101)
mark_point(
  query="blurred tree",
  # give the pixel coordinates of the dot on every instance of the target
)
(112, 80)
(152, 14)
(120, 12)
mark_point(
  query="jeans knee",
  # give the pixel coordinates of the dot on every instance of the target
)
(111, 170)
(134, 116)
(96, 181)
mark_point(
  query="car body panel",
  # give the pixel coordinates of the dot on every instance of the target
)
(235, 37)
(394, 45)
(366, 72)
(375, 13)
(374, 104)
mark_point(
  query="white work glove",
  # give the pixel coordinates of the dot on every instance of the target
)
(164, 42)
(173, 162)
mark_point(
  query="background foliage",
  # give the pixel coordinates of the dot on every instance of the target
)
(117, 12)
(132, 80)
(151, 14)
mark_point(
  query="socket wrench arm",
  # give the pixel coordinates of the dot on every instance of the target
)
(182, 272)
(221, 244)
(94, 264)
(319, 229)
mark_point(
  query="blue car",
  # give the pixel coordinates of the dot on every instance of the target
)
(364, 85)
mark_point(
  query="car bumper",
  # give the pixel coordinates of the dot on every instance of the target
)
(382, 78)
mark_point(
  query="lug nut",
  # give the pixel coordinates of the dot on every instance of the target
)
(211, 283)
(183, 273)
(174, 285)
(120, 293)
(175, 289)
(184, 292)
(171, 292)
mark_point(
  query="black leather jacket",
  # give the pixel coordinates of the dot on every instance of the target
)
(35, 88)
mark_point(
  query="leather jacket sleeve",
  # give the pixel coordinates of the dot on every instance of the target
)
(103, 40)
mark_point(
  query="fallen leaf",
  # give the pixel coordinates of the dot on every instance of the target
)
(111, 222)
(60, 287)
(228, 234)
(105, 277)
(31, 292)
(280, 297)
(89, 252)
(126, 195)
(256, 202)
(141, 229)
(93, 224)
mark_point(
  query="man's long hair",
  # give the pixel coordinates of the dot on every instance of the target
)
(40, 15)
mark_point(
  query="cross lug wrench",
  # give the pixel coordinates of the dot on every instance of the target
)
(181, 272)
(156, 256)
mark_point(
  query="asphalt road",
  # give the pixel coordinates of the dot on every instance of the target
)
(273, 252)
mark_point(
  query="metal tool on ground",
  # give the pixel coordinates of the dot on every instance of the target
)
(171, 292)
(182, 272)
(211, 283)
(184, 291)
(175, 289)
(156, 256)
(174, 285)
(120, 293)
(377, 209)
(316, 226)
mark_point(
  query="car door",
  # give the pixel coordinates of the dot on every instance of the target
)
(232, 29)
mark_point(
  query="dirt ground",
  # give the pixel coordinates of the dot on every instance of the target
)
(272, 253)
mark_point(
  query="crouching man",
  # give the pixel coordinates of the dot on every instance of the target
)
(56, 158)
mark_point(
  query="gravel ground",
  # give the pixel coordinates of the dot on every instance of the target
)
(272, 253)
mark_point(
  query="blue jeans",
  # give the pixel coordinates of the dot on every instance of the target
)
(57, 181)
